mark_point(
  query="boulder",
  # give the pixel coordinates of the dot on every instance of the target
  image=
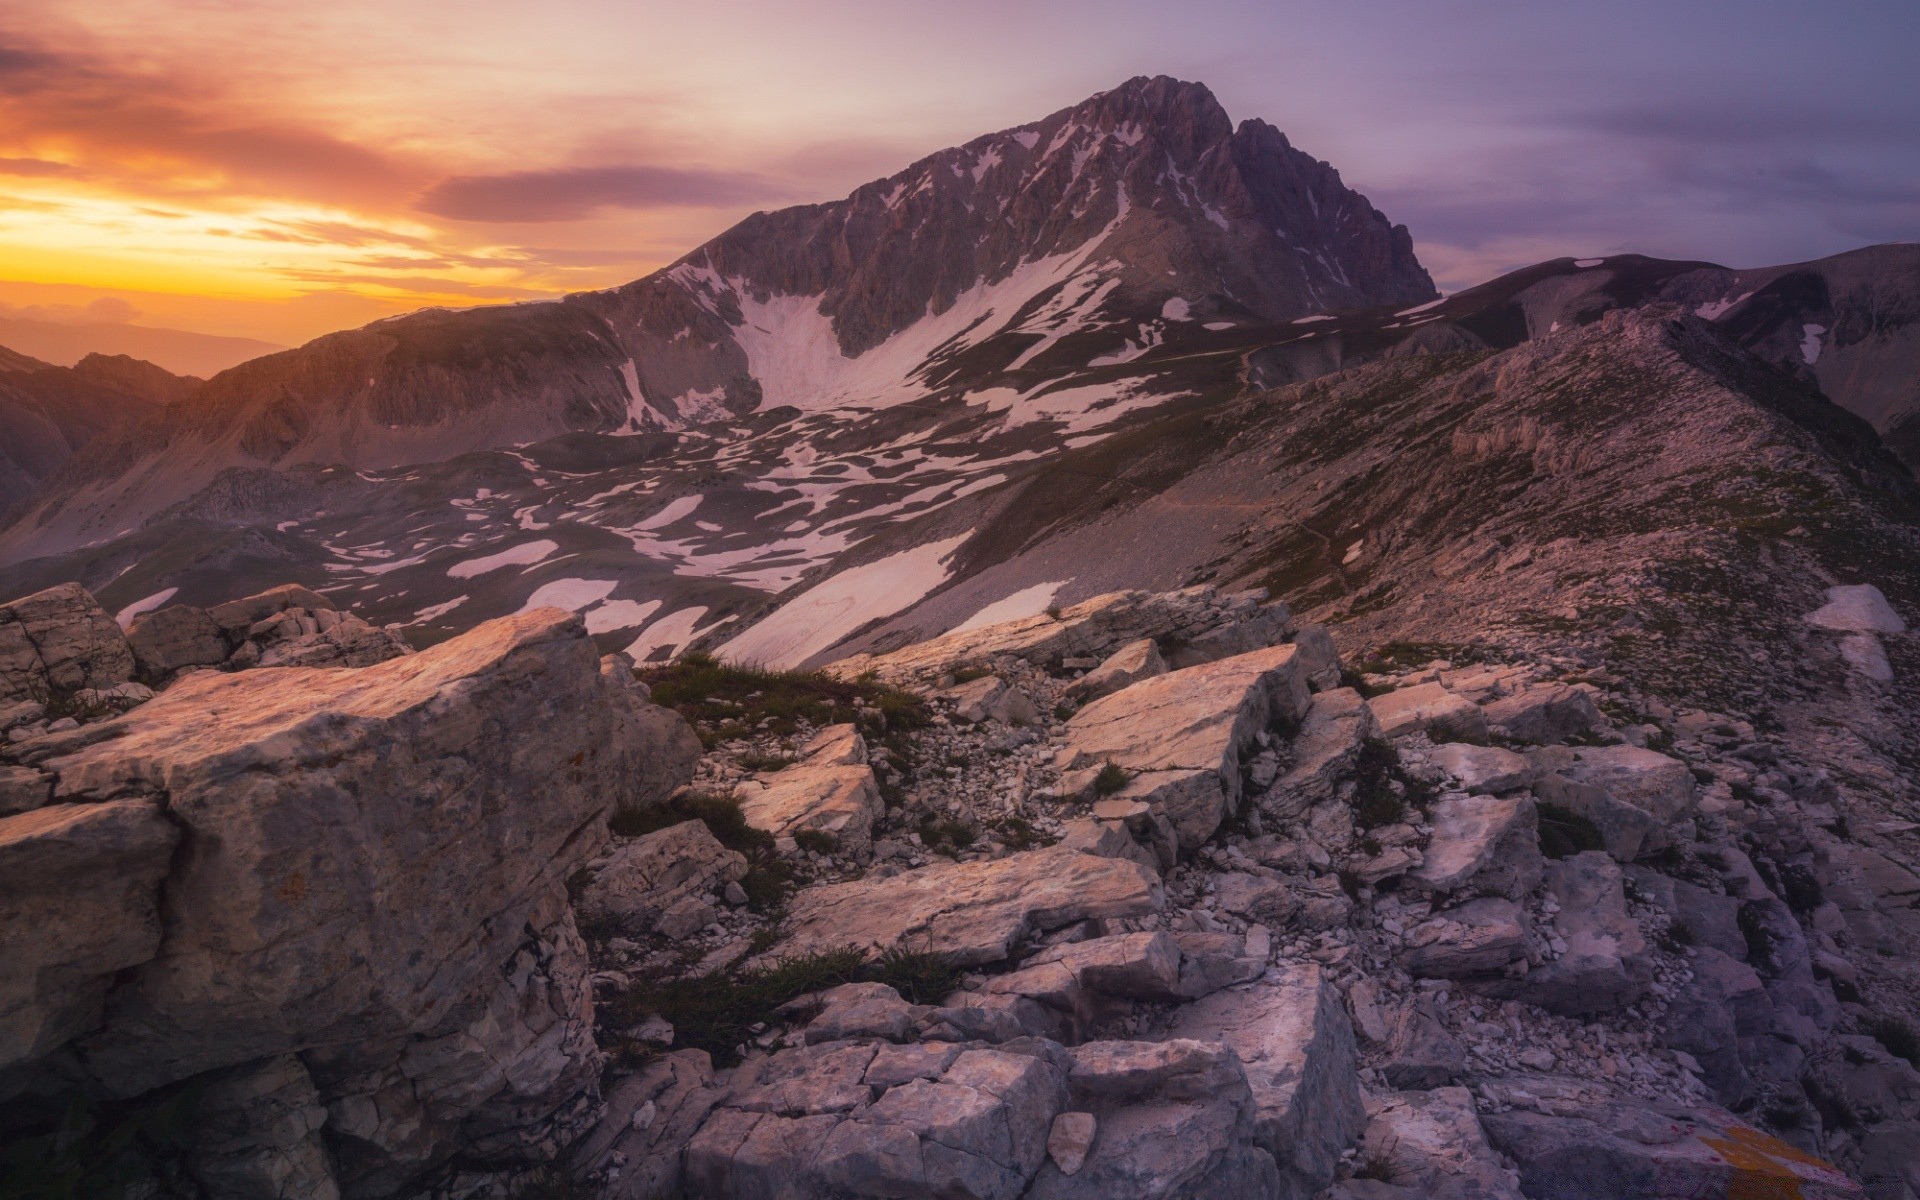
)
(1183, 734)
(1319, 660)
(326, 819)
(1421, 1053)
(1646, 779)
(1574, 1142)
(58, 641)
(1173, 1119)
(1483, 768)
(1543, 713)
(1431, 709)
(809, 1121)
(832, 791)
(1259, 899)
(236, 617)
(1607, 963)
(1432, 1144)
(79, 903)
(1135, 966)
(1070, 1140)
(1211, 961)
(664, 749)
(348, 642)
(991, 698)
(23, 789)
(174, 639)
(1292, 1033)
(1626, 832)
(1479, 937)
(643, 879)
(972, 912)
(1124, 667)
(1332, 734)
(1482, 846)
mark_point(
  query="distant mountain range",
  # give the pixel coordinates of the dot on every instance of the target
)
(857, 416)
(176, 350)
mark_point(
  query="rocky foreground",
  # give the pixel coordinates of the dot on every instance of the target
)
(1150, 897)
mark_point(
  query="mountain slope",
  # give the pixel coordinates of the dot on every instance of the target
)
(179, 351)
(1078, 242)
(48, 413)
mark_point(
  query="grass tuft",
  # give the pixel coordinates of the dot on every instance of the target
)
(725, 701)
(1111, 779)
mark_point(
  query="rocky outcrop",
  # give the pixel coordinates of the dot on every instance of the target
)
(308, 830)
(287, 626)
(1182, 735)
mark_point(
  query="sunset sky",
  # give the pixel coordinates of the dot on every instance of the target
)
(277, 170)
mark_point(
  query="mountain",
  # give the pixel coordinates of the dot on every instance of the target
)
(1138, 218)
(48, 413)
(177, 350)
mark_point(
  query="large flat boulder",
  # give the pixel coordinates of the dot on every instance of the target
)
(1183, 733)
(971, 912)
(1291, 1031)
(79, 902)
(175, 638)
(1648, 780)
(1431, 709)
(1122, 669)
(1483, 768)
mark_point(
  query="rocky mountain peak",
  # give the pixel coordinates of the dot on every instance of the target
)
(1182, 117)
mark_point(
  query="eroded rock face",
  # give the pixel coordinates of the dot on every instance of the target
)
(370, 873)
(971, 912)
(648, 876)
(79, 902)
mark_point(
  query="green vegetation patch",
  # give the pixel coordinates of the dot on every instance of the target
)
(726, 702)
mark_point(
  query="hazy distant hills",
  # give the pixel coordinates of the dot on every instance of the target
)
(176, 350)
(48, 412)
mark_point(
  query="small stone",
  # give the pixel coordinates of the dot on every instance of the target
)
(644, 1115)
(735, 895)
(1070, 1140)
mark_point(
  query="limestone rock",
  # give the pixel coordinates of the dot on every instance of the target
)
(1258, 899)
(175, 638)
(236, 617)
(23, 789)
(79, 902)
(1436, 1146)
(256, 1132)
(1482, 845)
(1292, 1033)
(1318, 658)
(1422, 1054)
(1573, 1144)
(1332, 734)
(1431, 709)
(836, 798)
(1123, 668)
(1607, 963)
(1483, 768)
(1626, 832)
(1478, 937)
(1184, 734)
(1543, 713)
(1646, 779)
(663, 750)
(1140, 966)
(1857, 608)
(350, 642)
(646, 877)
(327, 817)
(679, 1089)
(971, 912)
(1070, 1140)
(1174, 1119)
(991, 698)
(59, 641)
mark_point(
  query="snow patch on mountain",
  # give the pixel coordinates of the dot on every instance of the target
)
(827, 612)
